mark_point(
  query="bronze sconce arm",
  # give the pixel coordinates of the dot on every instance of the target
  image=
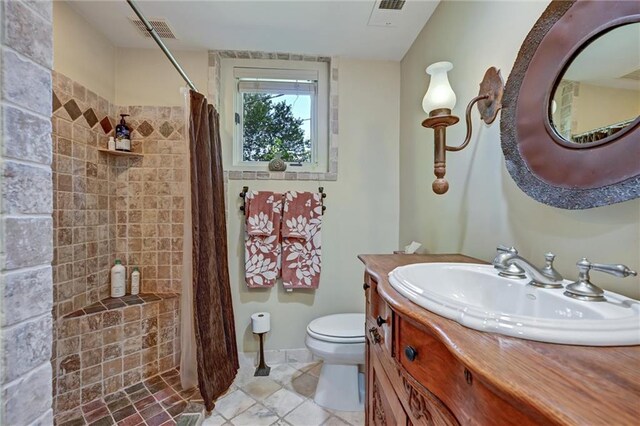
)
(489, 102)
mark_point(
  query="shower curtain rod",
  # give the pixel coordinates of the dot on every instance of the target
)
(162, 46)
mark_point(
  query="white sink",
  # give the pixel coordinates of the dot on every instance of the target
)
(476, 297)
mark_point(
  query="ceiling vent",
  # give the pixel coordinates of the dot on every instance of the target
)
(160, 25)
(391, 4)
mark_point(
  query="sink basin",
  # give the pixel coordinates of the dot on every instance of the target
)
(477, 297)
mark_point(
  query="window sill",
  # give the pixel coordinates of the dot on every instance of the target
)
(286, 175)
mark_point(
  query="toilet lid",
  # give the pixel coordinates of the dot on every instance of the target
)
(346, 328)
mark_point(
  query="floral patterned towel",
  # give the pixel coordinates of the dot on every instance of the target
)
(301, 240)
(259, 212)
(262, 239)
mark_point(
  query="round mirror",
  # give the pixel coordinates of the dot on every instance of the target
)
(598, 95)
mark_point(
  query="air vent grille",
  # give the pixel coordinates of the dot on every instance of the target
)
(391, 4)
(160, 25)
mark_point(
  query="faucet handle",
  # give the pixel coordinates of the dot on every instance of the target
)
(584, 289)
(504, 249)
(549, 270)
(618, 270)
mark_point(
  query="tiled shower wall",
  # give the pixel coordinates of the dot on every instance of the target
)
(25, 212)
(149, 197)
(84, 223)
(108, 207)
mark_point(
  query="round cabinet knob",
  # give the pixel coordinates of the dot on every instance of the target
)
(365, 286)
(380, 321)
(411, 353)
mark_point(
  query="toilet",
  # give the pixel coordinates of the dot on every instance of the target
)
(339, 341)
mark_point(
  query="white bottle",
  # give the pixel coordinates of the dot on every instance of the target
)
(112, 144)
(118, 279)
(135, 281)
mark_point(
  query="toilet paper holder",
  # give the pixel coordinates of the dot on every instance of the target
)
(259, 327)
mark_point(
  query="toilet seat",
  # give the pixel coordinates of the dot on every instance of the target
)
(338, 328)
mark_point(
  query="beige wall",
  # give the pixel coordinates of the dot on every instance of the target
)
(484, 207)
(599, 106)
(361, 216)
(122, 76)
(146, 77)
(81, 53)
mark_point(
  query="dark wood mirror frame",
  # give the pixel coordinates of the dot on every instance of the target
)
(541, 163)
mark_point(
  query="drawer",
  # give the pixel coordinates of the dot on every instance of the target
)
(431, 365)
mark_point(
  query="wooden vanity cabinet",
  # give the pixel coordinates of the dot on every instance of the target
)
(423, 369)
(413, 379)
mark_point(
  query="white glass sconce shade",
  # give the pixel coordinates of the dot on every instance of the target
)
(439, 94)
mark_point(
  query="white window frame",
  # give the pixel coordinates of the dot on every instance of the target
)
(232, 70)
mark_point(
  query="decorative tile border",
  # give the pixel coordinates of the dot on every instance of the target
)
(214, 97)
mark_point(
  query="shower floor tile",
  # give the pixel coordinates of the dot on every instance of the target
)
(157, 401)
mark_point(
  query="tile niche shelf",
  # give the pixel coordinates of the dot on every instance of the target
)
(120, 153)
(112, 303)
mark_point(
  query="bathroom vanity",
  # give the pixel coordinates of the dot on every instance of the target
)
(424, 369)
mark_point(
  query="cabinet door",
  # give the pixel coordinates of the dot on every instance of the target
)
(384, 408)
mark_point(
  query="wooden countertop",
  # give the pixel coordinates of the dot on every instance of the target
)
(576, 385)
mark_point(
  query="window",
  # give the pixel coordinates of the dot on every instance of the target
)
(279, 109)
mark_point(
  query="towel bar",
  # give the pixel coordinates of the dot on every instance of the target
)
(245, 189)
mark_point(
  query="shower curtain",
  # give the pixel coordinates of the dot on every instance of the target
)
(216, 351)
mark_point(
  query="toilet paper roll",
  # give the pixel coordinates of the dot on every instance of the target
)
(261, 322)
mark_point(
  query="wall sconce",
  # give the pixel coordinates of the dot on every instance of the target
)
(438, 102)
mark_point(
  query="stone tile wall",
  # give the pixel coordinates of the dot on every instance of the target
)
(149, 197)
(83, 181)
(100, 353)
(108, 207)
(26, 228)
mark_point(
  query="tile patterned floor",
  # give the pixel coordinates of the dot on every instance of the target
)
(157, 401)
(285, 397)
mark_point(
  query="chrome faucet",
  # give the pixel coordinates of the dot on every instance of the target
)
(511, 265)
(584, 289)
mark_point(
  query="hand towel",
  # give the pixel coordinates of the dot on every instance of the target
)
(301, 240)
(262, 238)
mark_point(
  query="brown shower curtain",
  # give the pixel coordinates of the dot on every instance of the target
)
(216, 350)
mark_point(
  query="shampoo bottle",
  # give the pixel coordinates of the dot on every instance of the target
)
(118, 279)
(135, 281)
(123, 135)
(111, 146)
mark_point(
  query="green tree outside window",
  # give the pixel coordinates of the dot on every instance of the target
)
(270, 128)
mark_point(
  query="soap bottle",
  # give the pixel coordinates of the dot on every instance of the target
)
(135, 281)
(111, 146)
(123, 135)
(118, 279)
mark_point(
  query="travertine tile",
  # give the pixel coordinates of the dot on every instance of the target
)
(305, 384)
(29, 33)
(31, 239)
(233, 404)
(261, 387)
(25, 399)
(33, 140)
(26, 294)
(307, 414)
(355, 418)
(257, 415)
(24, 83)
(25, 347)
(283, 402)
